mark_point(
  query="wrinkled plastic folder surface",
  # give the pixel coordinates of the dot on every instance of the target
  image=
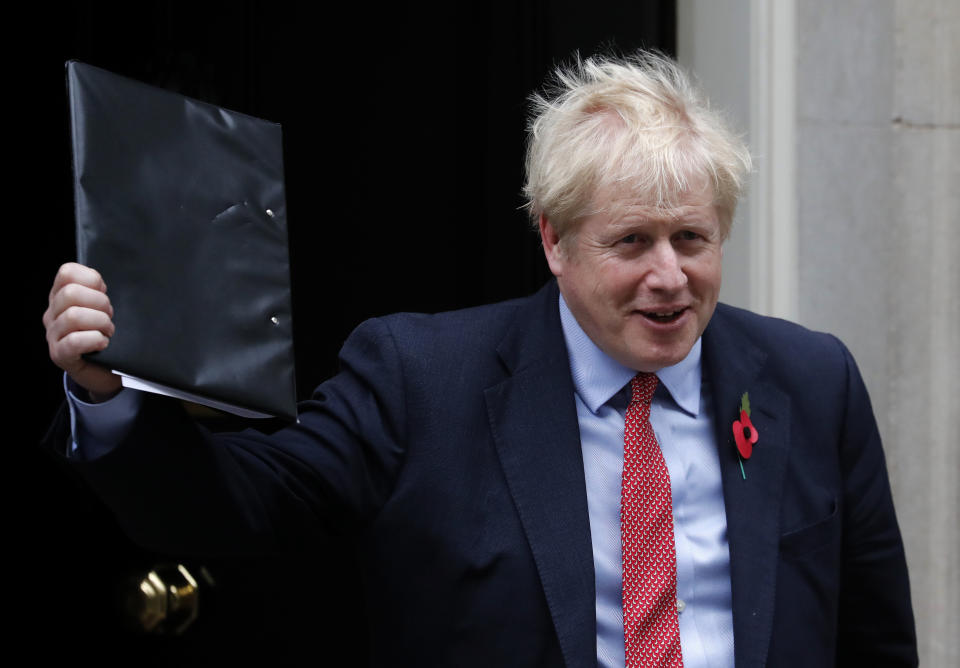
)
(180, 205)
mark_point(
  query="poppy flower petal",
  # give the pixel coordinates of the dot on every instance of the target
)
(744, 444)
(750, 432)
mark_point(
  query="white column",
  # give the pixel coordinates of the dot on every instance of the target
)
(773, 120)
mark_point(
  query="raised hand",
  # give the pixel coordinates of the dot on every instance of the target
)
(79, 319)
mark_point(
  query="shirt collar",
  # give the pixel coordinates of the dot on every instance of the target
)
(597, 377)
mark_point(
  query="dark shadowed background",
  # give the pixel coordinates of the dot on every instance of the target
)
(403, 139)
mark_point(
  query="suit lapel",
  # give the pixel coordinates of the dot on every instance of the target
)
(534, 424)
(734, 366)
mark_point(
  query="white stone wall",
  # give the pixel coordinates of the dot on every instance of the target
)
(923, 356)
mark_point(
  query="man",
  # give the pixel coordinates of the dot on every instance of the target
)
(526, 476)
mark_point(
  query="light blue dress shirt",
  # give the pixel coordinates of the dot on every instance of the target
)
(682, 419)
(102, 426)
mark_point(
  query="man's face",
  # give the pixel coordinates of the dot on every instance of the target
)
(642, 282)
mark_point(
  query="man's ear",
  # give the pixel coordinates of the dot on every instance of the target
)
(551, 246)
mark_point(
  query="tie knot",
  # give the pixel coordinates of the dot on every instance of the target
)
(642, 387)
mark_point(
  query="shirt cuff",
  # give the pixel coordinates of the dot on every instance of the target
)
(96, 429)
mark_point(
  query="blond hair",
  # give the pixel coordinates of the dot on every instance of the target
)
(636, 125)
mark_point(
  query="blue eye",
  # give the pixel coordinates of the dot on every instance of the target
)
(629, 239)
(688, 235)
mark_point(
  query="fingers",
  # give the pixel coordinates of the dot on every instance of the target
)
(74, 333)
(73, 295)
(72, 272)
(79, 316)
(67, 354)
(78, 319)
(67, 351)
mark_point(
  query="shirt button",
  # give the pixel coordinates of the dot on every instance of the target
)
(681, 605)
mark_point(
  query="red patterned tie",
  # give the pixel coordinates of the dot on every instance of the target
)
(651, 632)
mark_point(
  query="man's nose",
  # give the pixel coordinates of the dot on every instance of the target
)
(665, 271)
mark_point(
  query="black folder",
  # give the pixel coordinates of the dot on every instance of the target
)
(180, 205)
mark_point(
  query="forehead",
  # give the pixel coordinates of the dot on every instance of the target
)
(614, 205)
(639, 210)
(696, 189)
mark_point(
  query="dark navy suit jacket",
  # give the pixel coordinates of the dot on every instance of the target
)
(448, 444)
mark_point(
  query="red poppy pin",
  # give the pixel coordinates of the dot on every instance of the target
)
(744, 433)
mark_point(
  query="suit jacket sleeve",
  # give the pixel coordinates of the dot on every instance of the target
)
(875, 616)
(177, 488)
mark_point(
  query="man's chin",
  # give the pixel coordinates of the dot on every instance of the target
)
(655, 356)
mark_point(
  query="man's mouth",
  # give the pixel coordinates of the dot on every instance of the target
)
(664, 316)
